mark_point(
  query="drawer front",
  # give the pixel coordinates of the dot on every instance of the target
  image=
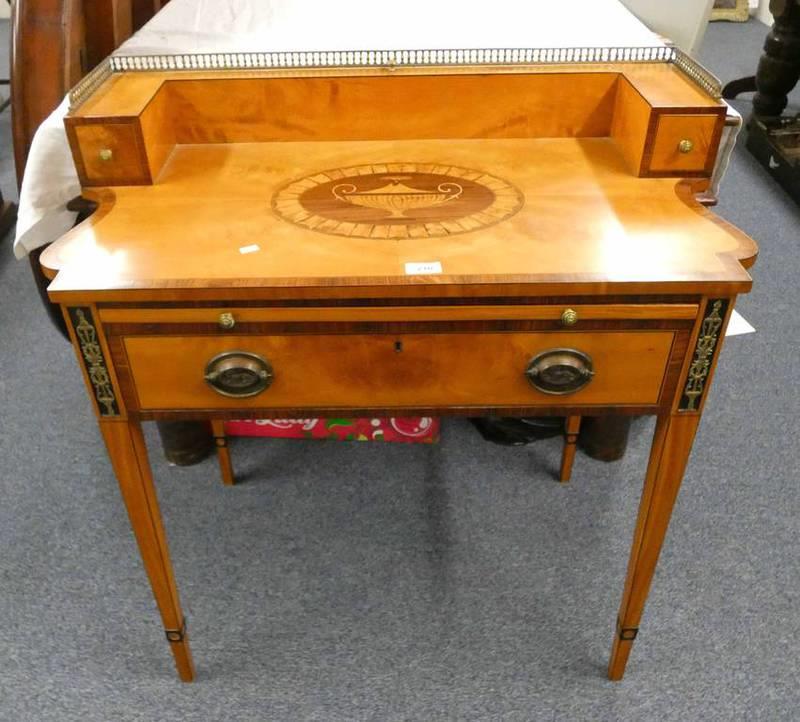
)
(685, 143)
(395, 371)
(568, 315)
(109, 154)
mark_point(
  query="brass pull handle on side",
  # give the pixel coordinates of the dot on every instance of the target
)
(238, 374)
(560, 371)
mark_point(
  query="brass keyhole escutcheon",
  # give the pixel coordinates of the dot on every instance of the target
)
(685, 146)
(560, 371)
(569, 317)
(106, 154)
(238, 374)
(226, 321)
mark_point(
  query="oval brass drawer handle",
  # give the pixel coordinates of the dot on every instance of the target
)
(238, 374)
(560, 371)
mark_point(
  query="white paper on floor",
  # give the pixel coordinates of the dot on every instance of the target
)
(738, 325)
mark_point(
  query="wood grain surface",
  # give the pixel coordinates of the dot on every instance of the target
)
(398, 370)
(396, 243)
(128, 453)
(671, 129)
(586, 225)
(375, 314)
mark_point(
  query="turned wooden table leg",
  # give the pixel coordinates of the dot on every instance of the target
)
(223, 453)
(779, 66)
(126, 448)
(669, 454)
(571, 428)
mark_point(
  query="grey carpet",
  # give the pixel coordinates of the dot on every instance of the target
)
(370, 582)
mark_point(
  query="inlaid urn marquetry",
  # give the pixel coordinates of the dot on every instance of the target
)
(397, 200)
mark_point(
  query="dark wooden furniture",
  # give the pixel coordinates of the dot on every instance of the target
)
(54, 44)
(465, 239)
(8, 215)
(773, 136)
(8, 211)
(779, 66)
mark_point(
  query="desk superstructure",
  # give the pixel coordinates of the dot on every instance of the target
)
(464, 239)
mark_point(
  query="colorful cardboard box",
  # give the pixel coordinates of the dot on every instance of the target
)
(415, 430)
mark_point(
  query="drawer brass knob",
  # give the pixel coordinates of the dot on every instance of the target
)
(238, 374)
(560, 371)
(685, 146)
(569, 317)
(226, 321)
(106, 154)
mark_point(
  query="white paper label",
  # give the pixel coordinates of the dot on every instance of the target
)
(249, 249)
(738, 325)
(424, 268)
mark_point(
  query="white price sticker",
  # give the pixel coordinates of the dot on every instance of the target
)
(249, 249)
(738, 325)
(425, 268)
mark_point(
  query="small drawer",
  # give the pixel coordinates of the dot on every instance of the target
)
(684, 143)
(397, 370)
(109, 153)
(567, 314)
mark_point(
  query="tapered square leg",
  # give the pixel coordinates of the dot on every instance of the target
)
(669, 454)
(223, 453)
(572, 427)
(128, 453)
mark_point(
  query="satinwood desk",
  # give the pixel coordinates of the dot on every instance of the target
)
(515, 238)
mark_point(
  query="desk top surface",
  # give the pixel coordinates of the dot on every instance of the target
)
(563, 214)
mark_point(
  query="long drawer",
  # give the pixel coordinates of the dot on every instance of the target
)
(406, 370)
